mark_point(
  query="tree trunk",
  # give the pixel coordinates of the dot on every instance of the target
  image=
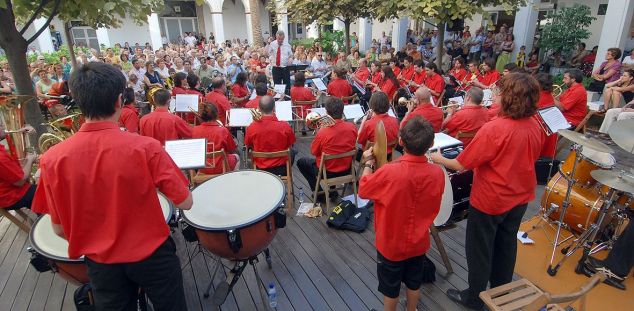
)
(346, 24)
(15, 46)
(440, 48)
(69, 43)
(256, 30)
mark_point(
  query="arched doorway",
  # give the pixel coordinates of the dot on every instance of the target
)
(234, 20)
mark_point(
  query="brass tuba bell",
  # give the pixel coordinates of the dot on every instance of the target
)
(12, 115)
(149, 95)
(314, 120)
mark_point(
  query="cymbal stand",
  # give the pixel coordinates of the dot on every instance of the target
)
(620, 219)
(585, 240)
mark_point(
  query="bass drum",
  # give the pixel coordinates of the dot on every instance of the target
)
(236, 215)
(584, 203)
(455, 200)
(50, 252)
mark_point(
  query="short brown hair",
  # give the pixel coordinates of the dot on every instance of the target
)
(209, 113)
(379, 102)
(616, 52)
(519, 94)
(334, 107)
(417, 135)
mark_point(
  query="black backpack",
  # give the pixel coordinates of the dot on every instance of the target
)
(346, 216)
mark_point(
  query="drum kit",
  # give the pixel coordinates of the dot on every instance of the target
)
(588, 196)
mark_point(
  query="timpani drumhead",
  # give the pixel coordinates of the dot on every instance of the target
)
(234, 200)
(47, 243)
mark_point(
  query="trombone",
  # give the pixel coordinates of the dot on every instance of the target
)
(557, 90)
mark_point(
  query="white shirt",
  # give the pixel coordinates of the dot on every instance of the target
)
(163, 72)
(190, 40)
(139, 73)
(628, 60)
(286, 53)
(319, 66)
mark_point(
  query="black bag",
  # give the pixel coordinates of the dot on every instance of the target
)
(346, 216)
(596, 86)
(82, 298)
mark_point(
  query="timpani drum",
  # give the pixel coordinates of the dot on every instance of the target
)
(50, 252)
(590, 160)
(234, 214)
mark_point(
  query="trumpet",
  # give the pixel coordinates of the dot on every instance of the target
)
(449, 106)
(255, 114)
(314, 120)
(557, 90)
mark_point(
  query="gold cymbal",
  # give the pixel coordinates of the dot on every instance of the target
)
(616, 180)
(622, 133)
(585, 141)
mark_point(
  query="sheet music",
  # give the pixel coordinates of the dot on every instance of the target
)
(487, 99)
(321, 111)
(187, 153)
(554, 119)
(240, 117)
(458, 100)
(360, 88)
(186, 101)
(442, 141)
(283, 110)
(319, 83)
(391, 113)
(353, 111)
(172, 104)
(253, 95)
(279, 90)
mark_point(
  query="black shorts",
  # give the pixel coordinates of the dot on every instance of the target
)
(392, 273)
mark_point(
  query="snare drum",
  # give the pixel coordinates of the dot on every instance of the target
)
(590, 160)
(234, 214)
(48, 246)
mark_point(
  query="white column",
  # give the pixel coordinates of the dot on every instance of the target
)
(338, 24)
(399, 32)
(282, 19)
(249, 25)
(365, 34)
(155, 31)
(103, 37)
(44, 40)
(524, 27)
(312, 30)
(615, 29)
(219, 28)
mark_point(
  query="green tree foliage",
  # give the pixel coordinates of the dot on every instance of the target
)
(566, 28)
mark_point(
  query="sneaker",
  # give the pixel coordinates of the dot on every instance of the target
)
(458, 297)
(594, 266)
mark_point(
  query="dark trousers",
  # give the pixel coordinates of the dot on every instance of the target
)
(25, 201)
(491, 249)
(282, 75)
(621, 258)
(308, 168)
(115, 286)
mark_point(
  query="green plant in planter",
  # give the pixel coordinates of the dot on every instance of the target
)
(566, 28)
(331, 42)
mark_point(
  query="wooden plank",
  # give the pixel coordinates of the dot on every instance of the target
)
(286, 282)
(27, 288)
(56, 294)
(69, 298)
(9, 281)
(6, 242)
(40, 293)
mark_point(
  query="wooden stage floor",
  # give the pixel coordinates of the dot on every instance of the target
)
(314, 268)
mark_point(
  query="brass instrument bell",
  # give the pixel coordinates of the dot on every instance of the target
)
(314, 120)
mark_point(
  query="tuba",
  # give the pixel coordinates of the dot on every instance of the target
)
(314, 120)
(11, 113)
(149, 95)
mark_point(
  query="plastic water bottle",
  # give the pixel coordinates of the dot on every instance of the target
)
(301, 195)
(272, 295)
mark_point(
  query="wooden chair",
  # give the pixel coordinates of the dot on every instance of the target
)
(465, 135)
(197, 178)
(582, 125)
(24, 224)
(326, 182)
(303, 105)
(290, 199)
(524, 295)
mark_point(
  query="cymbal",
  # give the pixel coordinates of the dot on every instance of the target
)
(582, 140)
(621, 134)
(615, 180)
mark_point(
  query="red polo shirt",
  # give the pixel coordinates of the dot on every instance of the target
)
(377, 79)
(396, 70)
(339, 138)
(253, 103)
(339, 88)
(162, 125)
(129, 118)
(468, 119)
(301, 93)
(437, 84)
(419, 79)
(222, 103)
(489, 77)
(470, 78)
(494, 111)
(408, 73)
(10, 173)
(178, 90)
(269, 135)
(362, 74)
(575, 103)
(401, 221)
(502, 156)
(100, 186)
(459, 74)
(546, 99)
(221, 139)
(240, 91)
(429, 112)
(367, 132)
(388, 87)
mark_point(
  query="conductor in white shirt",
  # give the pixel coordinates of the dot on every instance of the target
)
(280, 56)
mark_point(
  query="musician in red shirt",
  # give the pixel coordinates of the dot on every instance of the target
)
(425, 109)
(407, 74)
(434, 82)
(469, 118)
(300, 93)
(458, 71)
(472, 76)
(394, 66)
(270, 135)
(419, 76)
(402, 221)
(193, 82)
(99, 187)
(573, 102)
(338, 138)
(129, 118)
(15, 190)
(218, 98)
(239, 90)
(389, 85)
(546, 99)
(180, 84)
(379, 105)
(339, 86)
(218, 137)
(362, 74)
(489, 77)
(161, 124)
(502, 156)
(260, 90)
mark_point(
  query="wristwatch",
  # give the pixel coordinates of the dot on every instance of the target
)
(370, 166)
